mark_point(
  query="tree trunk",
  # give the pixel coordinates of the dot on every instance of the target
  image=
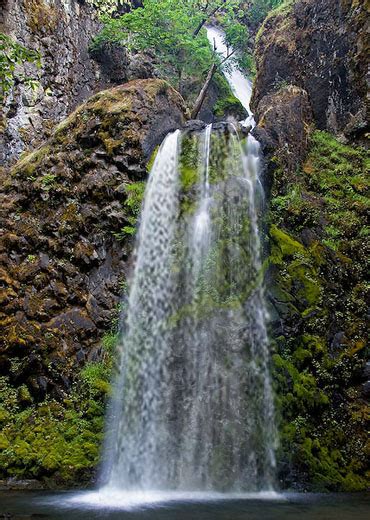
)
(200, 99)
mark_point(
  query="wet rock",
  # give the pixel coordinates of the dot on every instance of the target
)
(319, 46)
(21, 485)
(366, 389)
(194, 125)
(284, 120)
(73, 320)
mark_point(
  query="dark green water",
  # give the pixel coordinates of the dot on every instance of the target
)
(39, 505)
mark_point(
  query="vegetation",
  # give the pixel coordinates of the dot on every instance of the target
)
(56, 441)
(110, 6)
(173, 31)
(135, 195)
(259, 9)
(320, 294)
(13, 57)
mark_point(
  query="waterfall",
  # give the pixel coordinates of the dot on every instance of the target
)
(192, 405)
(239, 83)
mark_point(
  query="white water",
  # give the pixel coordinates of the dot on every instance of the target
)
(200, 231)
(133, 500)
(193, 406)
(240, 84)
(192, 413)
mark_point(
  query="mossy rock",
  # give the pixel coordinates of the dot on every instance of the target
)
(318, 314)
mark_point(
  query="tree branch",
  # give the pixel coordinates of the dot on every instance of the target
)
(203, 21)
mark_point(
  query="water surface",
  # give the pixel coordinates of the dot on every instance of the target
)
(71, 506)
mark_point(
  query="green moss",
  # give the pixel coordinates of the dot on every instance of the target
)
(110, 144)
(188, 177)
(28, 164)
(152, 159)
(281, 10)
(56, 440)
(228, 105)
(283, 245)
(321, 440)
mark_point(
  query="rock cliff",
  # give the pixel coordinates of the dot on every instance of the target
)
(319, 46)
(61, 31)
(63, 262)
(311, 74)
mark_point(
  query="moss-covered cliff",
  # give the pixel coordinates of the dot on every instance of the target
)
(310, 74)
(68, 213)
(318, 296)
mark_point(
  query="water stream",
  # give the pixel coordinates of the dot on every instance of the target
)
(239, 83)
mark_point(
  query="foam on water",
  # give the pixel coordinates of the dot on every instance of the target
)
(108, 498)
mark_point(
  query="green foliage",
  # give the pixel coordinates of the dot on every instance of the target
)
(105, 7)
(167, 28)
(135, 194)
(48, 181)
(260, 8)
(110, 340)
(13, 56)
(164, 28)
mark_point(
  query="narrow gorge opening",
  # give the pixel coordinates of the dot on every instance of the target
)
(183, 242)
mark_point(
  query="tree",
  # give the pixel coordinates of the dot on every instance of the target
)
(166, 27)
(12, 56)
(172, 29)
(111, 6)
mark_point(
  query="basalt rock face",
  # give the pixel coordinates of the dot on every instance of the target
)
(310, 75)
(62, 258)
(285, 119)
(321, 47)
(62, 31)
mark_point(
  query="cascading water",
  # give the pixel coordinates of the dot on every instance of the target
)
(192, 406)
(239, 83)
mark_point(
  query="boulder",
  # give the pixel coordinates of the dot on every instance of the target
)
(285, 119)
(321, 47)
(63, 256)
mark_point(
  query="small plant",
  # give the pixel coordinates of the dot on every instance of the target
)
(48, 181)
(135, 194)
(13, 56)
